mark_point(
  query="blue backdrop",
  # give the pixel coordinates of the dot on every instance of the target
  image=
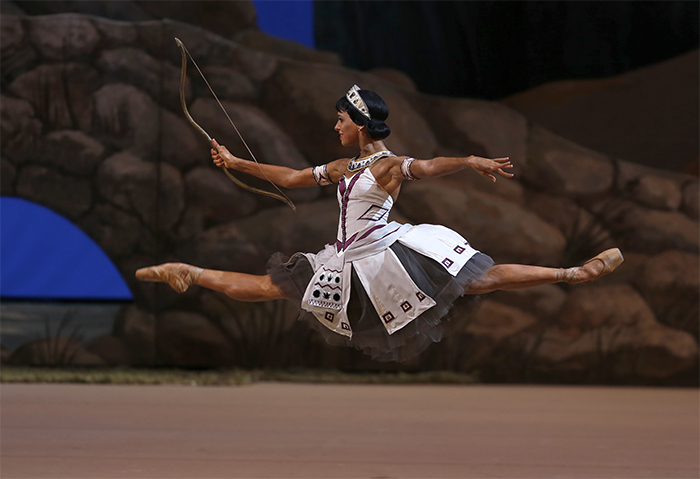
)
(45, 256)
(288, 19)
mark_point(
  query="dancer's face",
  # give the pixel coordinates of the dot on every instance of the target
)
(347, 129)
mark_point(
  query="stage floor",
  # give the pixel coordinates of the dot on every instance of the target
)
(290, 430)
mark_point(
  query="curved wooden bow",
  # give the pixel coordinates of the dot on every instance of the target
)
(183, 77)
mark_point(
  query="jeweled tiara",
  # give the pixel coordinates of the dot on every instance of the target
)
(353, 96)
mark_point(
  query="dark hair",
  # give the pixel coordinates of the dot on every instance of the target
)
(378, 110)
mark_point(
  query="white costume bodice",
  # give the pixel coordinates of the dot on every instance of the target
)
(364, 207)
(363, 245)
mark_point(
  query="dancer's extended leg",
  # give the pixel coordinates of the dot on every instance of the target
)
(239, 286)
(512, 276)
(519, 276)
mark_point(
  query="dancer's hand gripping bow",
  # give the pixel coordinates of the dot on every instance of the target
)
(183, 77)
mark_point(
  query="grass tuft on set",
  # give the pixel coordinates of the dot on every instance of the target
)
(144, 376)
(136, 376)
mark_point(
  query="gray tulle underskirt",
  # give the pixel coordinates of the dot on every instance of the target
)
(369, 333)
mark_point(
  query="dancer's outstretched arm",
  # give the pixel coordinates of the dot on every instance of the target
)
(442, 166)
(279, 175)
(390, 176)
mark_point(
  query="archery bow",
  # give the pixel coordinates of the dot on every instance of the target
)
(183, 77)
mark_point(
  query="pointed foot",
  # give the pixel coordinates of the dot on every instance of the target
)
(179, 276)
(594, 268)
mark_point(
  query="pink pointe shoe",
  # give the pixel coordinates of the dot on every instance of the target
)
(610, 259)
(179, 276)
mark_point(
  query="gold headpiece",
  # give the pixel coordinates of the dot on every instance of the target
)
(353, 96)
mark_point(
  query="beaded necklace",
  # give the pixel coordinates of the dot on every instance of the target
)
(358, 164)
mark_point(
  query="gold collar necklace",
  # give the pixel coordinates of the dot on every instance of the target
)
(358, 164)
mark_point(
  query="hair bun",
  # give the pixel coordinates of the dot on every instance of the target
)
(377, 129)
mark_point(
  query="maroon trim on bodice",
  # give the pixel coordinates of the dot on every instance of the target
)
(370, 230)
(390, 232)
(379, 209)
(345, 193)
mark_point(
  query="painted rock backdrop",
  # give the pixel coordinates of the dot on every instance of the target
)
(92, 128)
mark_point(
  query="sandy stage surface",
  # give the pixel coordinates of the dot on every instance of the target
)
(329, 431)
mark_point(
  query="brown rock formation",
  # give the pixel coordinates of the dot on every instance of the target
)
(91, 127)
(189, 339)
(54, 352)
(650, 231)
(215, 198)
(72, 36)
(508, 232)
(111, 350)
(480, 127)
(71, 150)
(560, 166)
(649, 116)
(160, 79)
(116, 231)
(611, 306)
(129, 183)
(8, 175)
(65, 194)
(19, 127)
(544, 302)
(137, 330)
(616, 320)
(60, 94)
(670, 283)
(15, 53)
(127, 118)
(691, 200)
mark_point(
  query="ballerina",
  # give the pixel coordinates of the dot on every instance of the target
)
(386, 288)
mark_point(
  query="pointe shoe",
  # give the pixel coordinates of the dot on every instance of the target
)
(179, 276)
(611, 259)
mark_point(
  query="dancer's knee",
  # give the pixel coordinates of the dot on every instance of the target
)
(478, 288)
(255, 289)
(273, 290)
(486, 284)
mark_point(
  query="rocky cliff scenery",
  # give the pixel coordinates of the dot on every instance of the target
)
(92, 128)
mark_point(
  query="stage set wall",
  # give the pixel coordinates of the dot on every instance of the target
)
(103, 174)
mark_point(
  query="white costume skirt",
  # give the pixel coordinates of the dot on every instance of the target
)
(369, 334)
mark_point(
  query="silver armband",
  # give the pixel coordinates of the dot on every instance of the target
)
(406, 169)
(321, 175)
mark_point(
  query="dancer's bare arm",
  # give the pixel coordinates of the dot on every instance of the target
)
(442, 166)
(389, 176)
(279, 175)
